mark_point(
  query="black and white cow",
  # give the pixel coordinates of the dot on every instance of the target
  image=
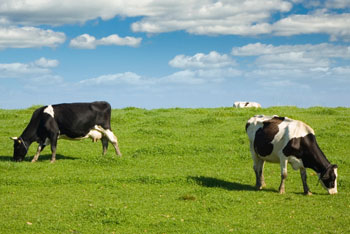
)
(284, 140)
(69, 121)
(246, 104)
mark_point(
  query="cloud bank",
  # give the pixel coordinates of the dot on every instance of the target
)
(86, 41)
(208, 17)
(38, 72)
(29, 37)
(202, 61)
(268, 65)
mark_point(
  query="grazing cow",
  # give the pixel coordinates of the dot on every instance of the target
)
(69, 121)
(246, 104)
(283, 140)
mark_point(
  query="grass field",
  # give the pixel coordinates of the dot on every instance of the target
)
(182, 171)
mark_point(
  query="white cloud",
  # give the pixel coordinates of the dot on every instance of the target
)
(192, 77)
(183, 77)
(44, 62)
(37, 72)
(19, 70)
(118, 78)
(198, 69)
(28, 37)
(86, 41)
(79, 11)
(199, 77)
(317, 57)
(342, 71)
(336, 25)
(291, 60)
(295, 62)
(202, 61)
(121, 41)
(317, 50)
(244, 17)
(337, 4)
(202, 68)
(204, 17)
(52, 12)
(268, 65)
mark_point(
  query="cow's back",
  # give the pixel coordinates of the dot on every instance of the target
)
(270, 134)
(263, 132)
(255, 123)
(76, 119)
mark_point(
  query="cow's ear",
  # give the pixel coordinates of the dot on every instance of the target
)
(14, 138)
(325, 176)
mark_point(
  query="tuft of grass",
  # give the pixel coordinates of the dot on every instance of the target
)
(182, 171)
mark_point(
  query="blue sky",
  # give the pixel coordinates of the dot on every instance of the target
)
(184, 53)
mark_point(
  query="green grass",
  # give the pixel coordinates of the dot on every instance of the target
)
(182, 171)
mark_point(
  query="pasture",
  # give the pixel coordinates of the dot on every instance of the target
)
(182, 171)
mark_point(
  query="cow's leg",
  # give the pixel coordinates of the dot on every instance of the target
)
(259, 173)
(104, 141)
(111, 137)
(53, 141)
(52, 133)
(258, 169)
(40, 148)
(303, 178)
(283, 163)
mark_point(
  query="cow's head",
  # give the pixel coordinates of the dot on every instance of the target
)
(19, 149)
(329, 179)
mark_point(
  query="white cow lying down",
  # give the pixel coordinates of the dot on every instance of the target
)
(246, 104)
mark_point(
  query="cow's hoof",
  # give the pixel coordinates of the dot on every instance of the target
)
(52, 161)
(308, 193)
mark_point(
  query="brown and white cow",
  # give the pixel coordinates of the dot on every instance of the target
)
(246, 104)
(284, 140)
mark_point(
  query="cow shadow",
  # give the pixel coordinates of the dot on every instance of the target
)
(45, 157)
(6, 158)
(211, 182)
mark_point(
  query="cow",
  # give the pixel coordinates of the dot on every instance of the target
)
(284, 140)
(68, 121)
(246, 104)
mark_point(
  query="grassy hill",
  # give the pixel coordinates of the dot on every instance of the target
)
(182, 171)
